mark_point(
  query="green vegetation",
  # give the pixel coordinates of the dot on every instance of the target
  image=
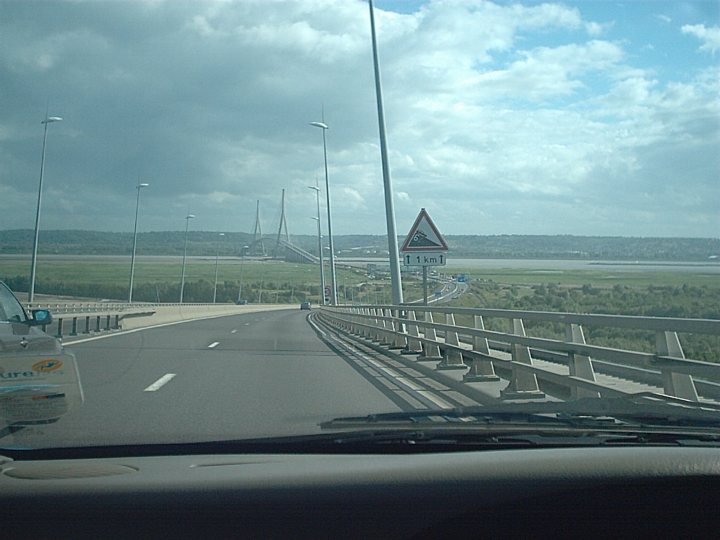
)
(75, 242)
(600, 277)
(683, 301)
(158, 280)
(648, 293)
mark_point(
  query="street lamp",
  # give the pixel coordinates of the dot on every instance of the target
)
(242, 265)
(33, 264)
(320, 247)
(182, 279)
(217, 254)
(333, 299)
(132, 260)
(397, 293)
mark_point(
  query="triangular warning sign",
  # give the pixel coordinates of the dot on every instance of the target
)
(424, 236)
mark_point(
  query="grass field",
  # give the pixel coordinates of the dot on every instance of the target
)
(597, 278)
(657, 293)
(276, 276)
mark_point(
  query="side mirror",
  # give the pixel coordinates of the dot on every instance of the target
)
(40, 317)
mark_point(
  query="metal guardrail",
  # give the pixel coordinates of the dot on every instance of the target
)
(89, 307)
(573, 363)
(72, 319)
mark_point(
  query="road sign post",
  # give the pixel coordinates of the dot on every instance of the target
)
(424, 246)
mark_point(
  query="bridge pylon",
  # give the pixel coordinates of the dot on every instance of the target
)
(283, 224)
(258, 244)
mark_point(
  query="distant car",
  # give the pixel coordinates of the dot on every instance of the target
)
(305, 305)
(241, 302)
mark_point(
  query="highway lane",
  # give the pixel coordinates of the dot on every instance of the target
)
(252, 375)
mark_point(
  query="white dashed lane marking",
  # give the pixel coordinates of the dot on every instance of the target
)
(162, 381)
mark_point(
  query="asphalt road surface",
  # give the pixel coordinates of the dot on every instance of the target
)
(252, 375)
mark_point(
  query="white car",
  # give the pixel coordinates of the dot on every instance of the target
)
(39, 380)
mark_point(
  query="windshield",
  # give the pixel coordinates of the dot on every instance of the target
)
(10, 309)
(255, 219)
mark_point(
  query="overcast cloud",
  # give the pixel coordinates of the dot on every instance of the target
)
(591, 118)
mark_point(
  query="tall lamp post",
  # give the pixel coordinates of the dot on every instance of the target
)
(182, 279)
(397, 294)
(320, 246)
(333, 299)
(242, 265)
(132, 259)
(33, 264)
(217, 255)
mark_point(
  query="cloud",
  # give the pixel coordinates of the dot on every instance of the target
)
(492, 111)
(710, 36)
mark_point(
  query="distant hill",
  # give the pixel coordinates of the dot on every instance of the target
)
(73, 242)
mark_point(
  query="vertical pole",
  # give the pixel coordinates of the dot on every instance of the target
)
(182, 278)
(33, 264)
(217, 256)
(282, 220)
(397, 295)
(425, 286)
(333, 277)
(132, 259)
(320, 246)
(242, 266)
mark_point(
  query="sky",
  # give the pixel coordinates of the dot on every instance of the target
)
(583, 118)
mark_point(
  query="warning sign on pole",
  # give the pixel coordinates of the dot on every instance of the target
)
(424, 238)
(424, 246)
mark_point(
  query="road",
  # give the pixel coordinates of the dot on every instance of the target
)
(252, 375)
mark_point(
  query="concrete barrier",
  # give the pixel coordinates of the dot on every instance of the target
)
(168, 314)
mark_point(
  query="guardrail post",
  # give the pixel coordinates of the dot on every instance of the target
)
(107, 323)
(580, 365)
(674, 384)
(59, 333)
(431, 351)
(97, 323)
(375, 331)
(414, 346)
(386, 335)
(480, 370)
(87, 324)
(117, 322)
(73, 331)
(452, 359)
(365, 320)
(523, 384)
(399, 338)
(353, 327)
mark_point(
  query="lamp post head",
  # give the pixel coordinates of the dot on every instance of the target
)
(314, 187)
(51, 119)
(221, 234)
(190, 216)
(321, 125)
(142, 185)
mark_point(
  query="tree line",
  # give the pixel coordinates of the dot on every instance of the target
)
(77, 242)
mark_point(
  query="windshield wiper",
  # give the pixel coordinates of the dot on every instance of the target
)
(636, 410)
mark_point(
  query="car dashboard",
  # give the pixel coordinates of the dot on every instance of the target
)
(592, 492)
